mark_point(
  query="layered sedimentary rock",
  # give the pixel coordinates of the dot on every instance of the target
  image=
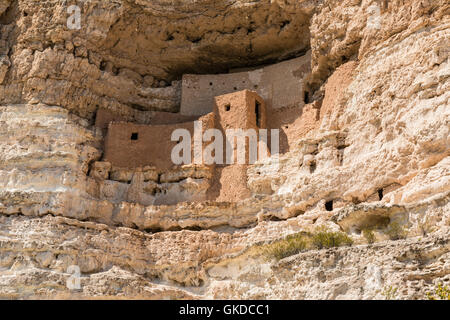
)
(371, 141)
(127, 52)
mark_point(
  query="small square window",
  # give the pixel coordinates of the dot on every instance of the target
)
(227, 107)
(134, 136)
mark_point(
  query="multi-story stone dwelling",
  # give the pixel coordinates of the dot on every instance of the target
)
(138, 162)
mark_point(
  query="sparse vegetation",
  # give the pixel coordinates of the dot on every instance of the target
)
(289, 246)
(324, 238)
(389, 293)
(441, 292)
(296, 243)
(395, 231)
(369, 235)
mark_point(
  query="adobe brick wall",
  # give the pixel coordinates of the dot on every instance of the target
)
(231, 183)
(237, 110)
(153, 147)
(280, 85)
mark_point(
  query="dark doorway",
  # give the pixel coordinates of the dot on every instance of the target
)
(306, 97)
(380, 194)
(329, 205)
(258, 113)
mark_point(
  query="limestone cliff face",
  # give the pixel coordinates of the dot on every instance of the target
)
(372, 140)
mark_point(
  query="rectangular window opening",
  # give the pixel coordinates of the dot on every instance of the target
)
(258, 113)
(134, 136)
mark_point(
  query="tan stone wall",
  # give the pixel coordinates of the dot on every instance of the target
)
(153, 146)
(237, 110)
(280, 85)
(232, 183)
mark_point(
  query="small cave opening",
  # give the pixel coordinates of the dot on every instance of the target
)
(195, 40)
(134, 136)
(284, 24)
(274, 218)
(306, 97)
(228, 107)
(103, 66)
(312, 167)
(380, 194)
(329, 205)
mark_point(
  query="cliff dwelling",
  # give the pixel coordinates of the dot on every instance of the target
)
(137, 164)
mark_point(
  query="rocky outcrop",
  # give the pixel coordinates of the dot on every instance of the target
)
(369, 150)
(36, 254)
(127, 52)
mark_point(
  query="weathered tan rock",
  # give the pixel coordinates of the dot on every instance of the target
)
(372, 140)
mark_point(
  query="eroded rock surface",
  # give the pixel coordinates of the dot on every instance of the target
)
(371, 144)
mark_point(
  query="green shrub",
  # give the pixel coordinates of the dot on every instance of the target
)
(369, 235)
(324, 238)
(289, 246)
(395, 231)
(440, 293)
(296, 243)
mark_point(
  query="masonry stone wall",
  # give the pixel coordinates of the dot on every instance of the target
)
(130, 145)
(280, 85)
(239, 110)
